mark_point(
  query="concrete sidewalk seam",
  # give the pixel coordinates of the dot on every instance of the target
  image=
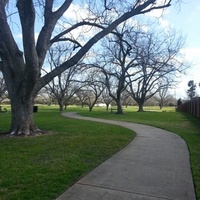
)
(124, 191)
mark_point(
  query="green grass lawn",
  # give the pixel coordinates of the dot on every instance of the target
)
(45, 166)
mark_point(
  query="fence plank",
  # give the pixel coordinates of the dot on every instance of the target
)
(192, 107)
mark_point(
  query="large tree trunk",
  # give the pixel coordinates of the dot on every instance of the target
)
(22, 92)
(118, 99)
(90, 108)
(140, 104)
(61, 106)
(119, 107)
(161, 104)
(107, 106)
(22, 122)
(118, 102)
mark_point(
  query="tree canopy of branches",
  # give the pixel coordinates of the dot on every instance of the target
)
(158, 65)
(140, 62)
(22, 67)
(65, 85)
(163, 97)
(117, 61)
(93, 87)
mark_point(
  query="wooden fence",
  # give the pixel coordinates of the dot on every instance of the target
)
(192, 107)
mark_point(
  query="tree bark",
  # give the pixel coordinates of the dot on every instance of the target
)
(119, 107)
(107, 106)
(61, 106)
(140, 104)
(90, 108)
(22, 122)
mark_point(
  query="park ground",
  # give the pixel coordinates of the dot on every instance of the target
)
(43, 167)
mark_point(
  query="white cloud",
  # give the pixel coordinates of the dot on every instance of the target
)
(77, 12)
(164, 23)
(192, 54)
(157, 13)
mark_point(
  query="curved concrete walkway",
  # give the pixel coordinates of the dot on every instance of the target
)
(154, 166)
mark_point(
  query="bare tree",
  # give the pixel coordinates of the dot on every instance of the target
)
(169, 100)
(63, 88)
(126, 99)
(22, 68)
(115, 85)
(106, 98)
(82, 97)
(117, 62)
(65, 85)
(162, 95)
(94, 87)
(158, 65)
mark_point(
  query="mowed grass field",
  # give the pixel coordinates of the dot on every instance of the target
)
(45, 166)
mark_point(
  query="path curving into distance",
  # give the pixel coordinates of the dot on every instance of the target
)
(154, 166)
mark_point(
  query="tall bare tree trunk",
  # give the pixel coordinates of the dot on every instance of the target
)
(107, 106)
(140, 104)
(22, 122)
(61, 106)
(119, 107)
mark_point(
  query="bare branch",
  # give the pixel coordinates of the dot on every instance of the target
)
(51, 19)
(83, 23)
(10, 54)
(27, 17)
(168, 4)
(76, 43)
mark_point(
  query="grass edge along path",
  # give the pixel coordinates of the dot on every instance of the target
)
(183, 124)
(44, 167)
